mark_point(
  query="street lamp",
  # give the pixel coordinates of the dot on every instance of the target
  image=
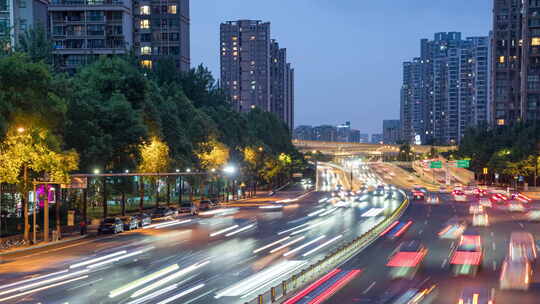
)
(20, 130)
(96, 171)
(188, 170)
(177, 170)
(127, 171)
(230, 170)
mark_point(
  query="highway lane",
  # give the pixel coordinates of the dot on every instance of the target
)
(375, 286)
(220, 258)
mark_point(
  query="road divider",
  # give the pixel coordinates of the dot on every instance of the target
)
(289, 287)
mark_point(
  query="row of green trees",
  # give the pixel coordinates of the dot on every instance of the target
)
(509, 151)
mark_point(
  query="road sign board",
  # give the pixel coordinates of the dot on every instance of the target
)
(463, 163)
(485, 170)
(435, 164)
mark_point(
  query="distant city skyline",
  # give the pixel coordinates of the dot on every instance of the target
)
(347, 55)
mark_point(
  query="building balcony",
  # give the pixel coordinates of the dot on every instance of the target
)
(75, 5)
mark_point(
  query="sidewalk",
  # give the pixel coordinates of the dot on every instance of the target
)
(65, 239)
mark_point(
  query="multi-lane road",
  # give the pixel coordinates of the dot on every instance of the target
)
(374, 285)
(228, 255)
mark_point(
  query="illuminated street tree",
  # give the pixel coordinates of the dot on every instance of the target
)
(154, 159)
(36, 150)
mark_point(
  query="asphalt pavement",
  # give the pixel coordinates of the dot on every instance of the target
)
(228, 255)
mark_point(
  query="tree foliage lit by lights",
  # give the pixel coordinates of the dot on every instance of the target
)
(154, 156)
(213, 154)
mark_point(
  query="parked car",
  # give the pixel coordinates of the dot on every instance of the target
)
(174, 210)
(130, 222)
(205, 205)
(144, 219)
(214, 202)
(111, 225)
(189, 207)
(162, 212)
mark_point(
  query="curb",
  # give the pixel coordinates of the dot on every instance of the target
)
(23, 249)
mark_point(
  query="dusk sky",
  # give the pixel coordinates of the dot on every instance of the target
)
(347, 54)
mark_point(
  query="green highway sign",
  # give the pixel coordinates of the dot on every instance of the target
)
(463, 163)
(435, 165)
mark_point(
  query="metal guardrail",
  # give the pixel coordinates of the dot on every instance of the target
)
(287, 287)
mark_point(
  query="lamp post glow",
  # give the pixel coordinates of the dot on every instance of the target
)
(96, 171)
(188, 170)
(229, 169)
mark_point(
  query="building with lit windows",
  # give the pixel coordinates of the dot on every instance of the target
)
(82, 30)
(18, 16)
(161, 29)
(254, 69)
(446, 90)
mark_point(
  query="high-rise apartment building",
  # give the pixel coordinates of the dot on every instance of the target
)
(281, 84)
(254, 69)
(515, 72)
(161, 29)
(18, 16)
(81, 30)
(391, 131)
(506, 46)
(446, 89)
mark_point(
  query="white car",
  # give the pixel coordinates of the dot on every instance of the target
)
(533, 215)
(515, 274)
(480, 219)
(516, 207)
(474, 209)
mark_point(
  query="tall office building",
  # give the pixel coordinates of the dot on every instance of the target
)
(161, 29)
(445, 90)
(254, 69)
(18, 16)
(325, 133)
(81, 30)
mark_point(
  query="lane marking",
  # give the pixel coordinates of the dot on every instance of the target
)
(369, 287)
(521, 225)
(444, 263)
(493, 245)
(494, 265)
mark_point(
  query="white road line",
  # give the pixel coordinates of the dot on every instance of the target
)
(521, 225)
(494, 265)
(420, 232)
(369, 288)
(444, 263)
(493, 245)
(491, 233)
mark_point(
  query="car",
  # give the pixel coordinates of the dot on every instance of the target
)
(480, 219)
(485, 202)
(162, 212)
(467, 257)
(515, 274)
(174, 210)
(533, 215)
(476, 295)
(406, 259)
(452, 231)
(410, 292)
(459, 196)
(189, 207)
(397, 229)
(522, 245)
(433, 199)
(520, 198)
(111, 225)
(473, 209)
(516, 207)
(418, 195)
(144, 219)
(498, 198)
(130, 222)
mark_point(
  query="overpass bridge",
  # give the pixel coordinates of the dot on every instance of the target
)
(343, 149)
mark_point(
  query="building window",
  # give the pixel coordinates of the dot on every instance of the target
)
(145, 24)
(146, 50)
(501, 59)
(500, 122)
(146, 64)
(22, 24)
(146, 37)
(172, 9)
(22, 3)
(252, 38)
(235, 53)
(234, 38)
(535, 41)
(145, 10)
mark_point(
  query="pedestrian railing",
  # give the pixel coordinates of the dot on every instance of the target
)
(314, 271)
